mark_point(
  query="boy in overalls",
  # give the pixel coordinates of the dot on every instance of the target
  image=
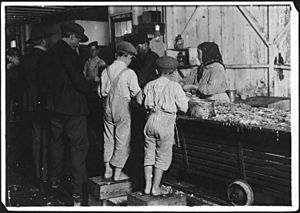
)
(118, 85)
(162, 98)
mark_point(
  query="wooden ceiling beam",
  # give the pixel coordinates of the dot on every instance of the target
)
(28, 12)
(26, 9)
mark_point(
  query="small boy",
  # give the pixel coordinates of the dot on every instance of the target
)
(94, 64)
(162, 98)
(118, 84)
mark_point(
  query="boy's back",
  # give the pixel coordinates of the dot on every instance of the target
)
(166, 95)
(162, 98)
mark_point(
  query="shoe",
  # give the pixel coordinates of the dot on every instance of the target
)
(55, 184)
(77, 197)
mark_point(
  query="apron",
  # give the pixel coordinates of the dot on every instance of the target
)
(116, 106)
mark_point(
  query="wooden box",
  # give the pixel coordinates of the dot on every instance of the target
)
(92, 201)
(117, 201)
(140, 199)
(151, 17)
(101, 188)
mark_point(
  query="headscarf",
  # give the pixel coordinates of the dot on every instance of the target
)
(210, 54)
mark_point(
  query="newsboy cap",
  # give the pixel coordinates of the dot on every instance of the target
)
(126, 47)
(75, 28)
(166, 64)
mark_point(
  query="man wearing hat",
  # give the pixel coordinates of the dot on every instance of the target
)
(65, 90)
(118, 85)
(94, 64)
(31, 65)
(161, 98)
(144, 65)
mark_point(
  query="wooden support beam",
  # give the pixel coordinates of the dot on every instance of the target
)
(246, 66)
(256, 66)
(254, 25)
(283, 32)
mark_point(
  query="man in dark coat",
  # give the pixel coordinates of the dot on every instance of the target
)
(65, 89)
(31, 68)
(144, 65)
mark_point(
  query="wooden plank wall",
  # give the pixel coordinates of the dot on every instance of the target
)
(238, 42)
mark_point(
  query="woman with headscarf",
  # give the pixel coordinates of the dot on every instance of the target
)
(209, 81)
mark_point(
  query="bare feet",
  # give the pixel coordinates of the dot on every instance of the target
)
(108, 171)
(122, 176)
(159, 191)
(107, 174)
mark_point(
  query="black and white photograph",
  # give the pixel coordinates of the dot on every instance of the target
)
(178, 106)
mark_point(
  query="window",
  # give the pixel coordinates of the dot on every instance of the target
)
(121, 25)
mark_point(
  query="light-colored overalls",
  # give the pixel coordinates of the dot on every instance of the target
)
(118, 85)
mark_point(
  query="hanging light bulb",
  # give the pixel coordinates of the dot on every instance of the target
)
(157, 33)
(13, 43)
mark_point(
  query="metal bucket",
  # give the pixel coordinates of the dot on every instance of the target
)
(202, 108)
(231, 94)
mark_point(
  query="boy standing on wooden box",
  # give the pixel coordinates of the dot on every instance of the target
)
(118, 85)
(162, 97)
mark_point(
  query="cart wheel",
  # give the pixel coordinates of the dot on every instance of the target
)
(240, 193)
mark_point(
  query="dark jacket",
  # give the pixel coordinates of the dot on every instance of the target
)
(65, 86)
(145, 67)
(29, 71)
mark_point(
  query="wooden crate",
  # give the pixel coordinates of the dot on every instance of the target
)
(140, 199)
(117, 201)
(92, 201)
(151, 17)
(105, 189)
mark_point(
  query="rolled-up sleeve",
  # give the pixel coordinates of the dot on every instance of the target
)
(140, 97)
(134, 87)
(180, 99)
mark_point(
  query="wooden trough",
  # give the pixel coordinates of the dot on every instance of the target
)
(213, 152)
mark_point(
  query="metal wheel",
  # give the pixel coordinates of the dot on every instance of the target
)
(240, 193)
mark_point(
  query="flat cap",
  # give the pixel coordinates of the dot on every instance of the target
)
(75, 28)
(166, 64)
(126, 47)
(93, 44)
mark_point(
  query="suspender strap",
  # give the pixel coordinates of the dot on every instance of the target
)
(114, 82)
(158, 108)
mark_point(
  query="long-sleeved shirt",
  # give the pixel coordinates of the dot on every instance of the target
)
(170, 101)
(213, 80)
(128, 83)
